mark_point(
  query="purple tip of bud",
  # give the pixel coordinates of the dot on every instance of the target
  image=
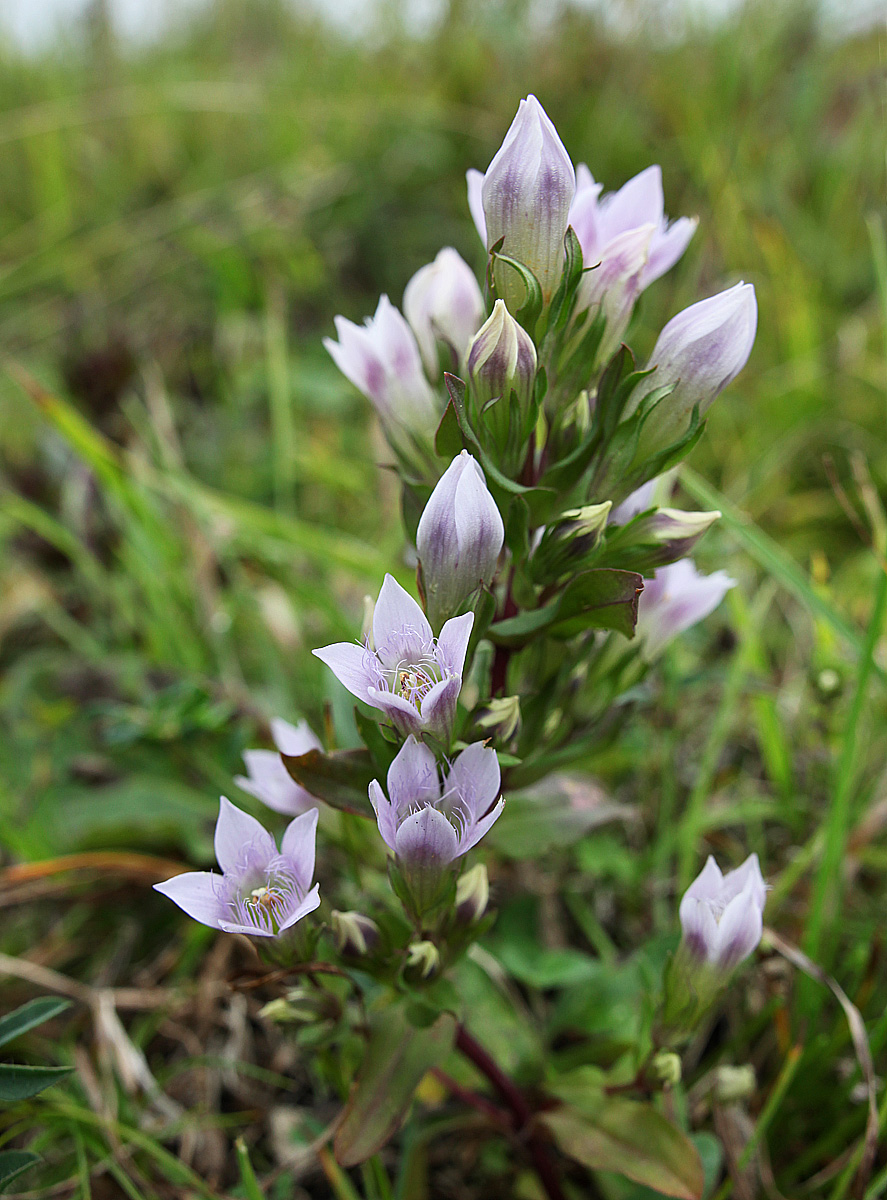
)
(704, 348)
(526, 196)
(268, 779)
(443, 304)
(459, 539)
(722, 915)
(676, 598)
(262, 891)
(382, 360)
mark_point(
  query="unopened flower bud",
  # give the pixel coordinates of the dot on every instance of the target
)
(356, 935)
(526, 194)
(722, 915)
(443, 304)
(500, 718)
(700, 351)
(667, 1068)
(459, 538)
(502, 363)
(423, 960)
(731, 1085)
(472, 895)
(571, 538)
(664, 535)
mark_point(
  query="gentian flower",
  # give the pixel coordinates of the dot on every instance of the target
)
(262, 891)
(444, 304)
(427, 825)
(382, 360)
(459, 538)
(721, 915)
(268, 779)
(407, 673)
(677, 597)
(599, 223)
(525, 197)
(502, 361)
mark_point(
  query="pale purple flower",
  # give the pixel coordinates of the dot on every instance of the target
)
(262, 891)
(413, 677)
(459, 538)
(429, 824)
(599, 222)
(639, 501)
(613, 286)
(677, 597)
(444, 304)
(382, 360)
(722, 915)
(525, 198)
(268, 779)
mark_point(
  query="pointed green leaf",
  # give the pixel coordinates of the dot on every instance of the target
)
(13, 1162)
(632, 1139)
(601, 598)
(34, 1013)
(448, 441)
(396, 1058)
(20, 1082)
(341, 779)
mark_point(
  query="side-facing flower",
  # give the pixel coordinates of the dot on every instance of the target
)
(443, 304)
(407, 673)
(722, 915)
(262, 891)
(459, 538)
(599, 222)
(525, 196)
(382, 360)
(268, 779)
(429, 825)
(677, 597)
(613, 285)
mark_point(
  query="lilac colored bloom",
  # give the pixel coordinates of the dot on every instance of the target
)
(639, 501)
(722, 915)
(443, 304)
(262, 891)
(382, 360)
(677, 597)
(599, 223)
(268, 779)
(459, 538)
(428, 825)
(613, 286)
(525, 196)
(413, 677)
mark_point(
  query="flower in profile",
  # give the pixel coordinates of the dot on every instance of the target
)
(262, 891)
(459, 538)
(407, 673)
(268, 779)
(382, 360)
(525, 198)
(722, 915)
(677, 597)
(600, 221)
(429, 825)
(444, 305)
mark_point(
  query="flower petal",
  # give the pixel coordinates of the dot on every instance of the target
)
(293, 739)
(405, 716)
(241, 840)
(667, 247)
(740, 929)
(398, 624)
(298, 846)
(426, 839)
(413, 777)
(452, 645)
(708, 883)
(386, 818)
(195, 893)
(475, 181)
(351, 665)
(471, 836)
(474, 781)
(306, 906)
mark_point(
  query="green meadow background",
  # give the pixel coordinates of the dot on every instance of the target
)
(190, 501)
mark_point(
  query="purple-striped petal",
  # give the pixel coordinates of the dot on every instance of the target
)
(241, 840)
(195, 893)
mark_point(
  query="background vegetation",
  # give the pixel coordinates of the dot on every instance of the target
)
(189, 502)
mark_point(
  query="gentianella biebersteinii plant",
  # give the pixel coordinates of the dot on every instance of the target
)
(535, 461)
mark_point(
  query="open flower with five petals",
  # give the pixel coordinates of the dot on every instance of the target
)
(407, 673)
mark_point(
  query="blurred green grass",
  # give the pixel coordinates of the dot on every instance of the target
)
(189, 499)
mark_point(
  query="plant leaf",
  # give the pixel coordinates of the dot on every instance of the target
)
(396, 1057)
(341, 779)
(633, 1139)
(34, 1013)
(19, 1082)
(13, 1162)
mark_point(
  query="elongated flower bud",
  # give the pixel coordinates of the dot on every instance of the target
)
(444, 305)
(502, 363)
(459, 538)
(472, 895)
(662, 536)
(527, 192)
(356, 935)
(700, 351)
(568, 541)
